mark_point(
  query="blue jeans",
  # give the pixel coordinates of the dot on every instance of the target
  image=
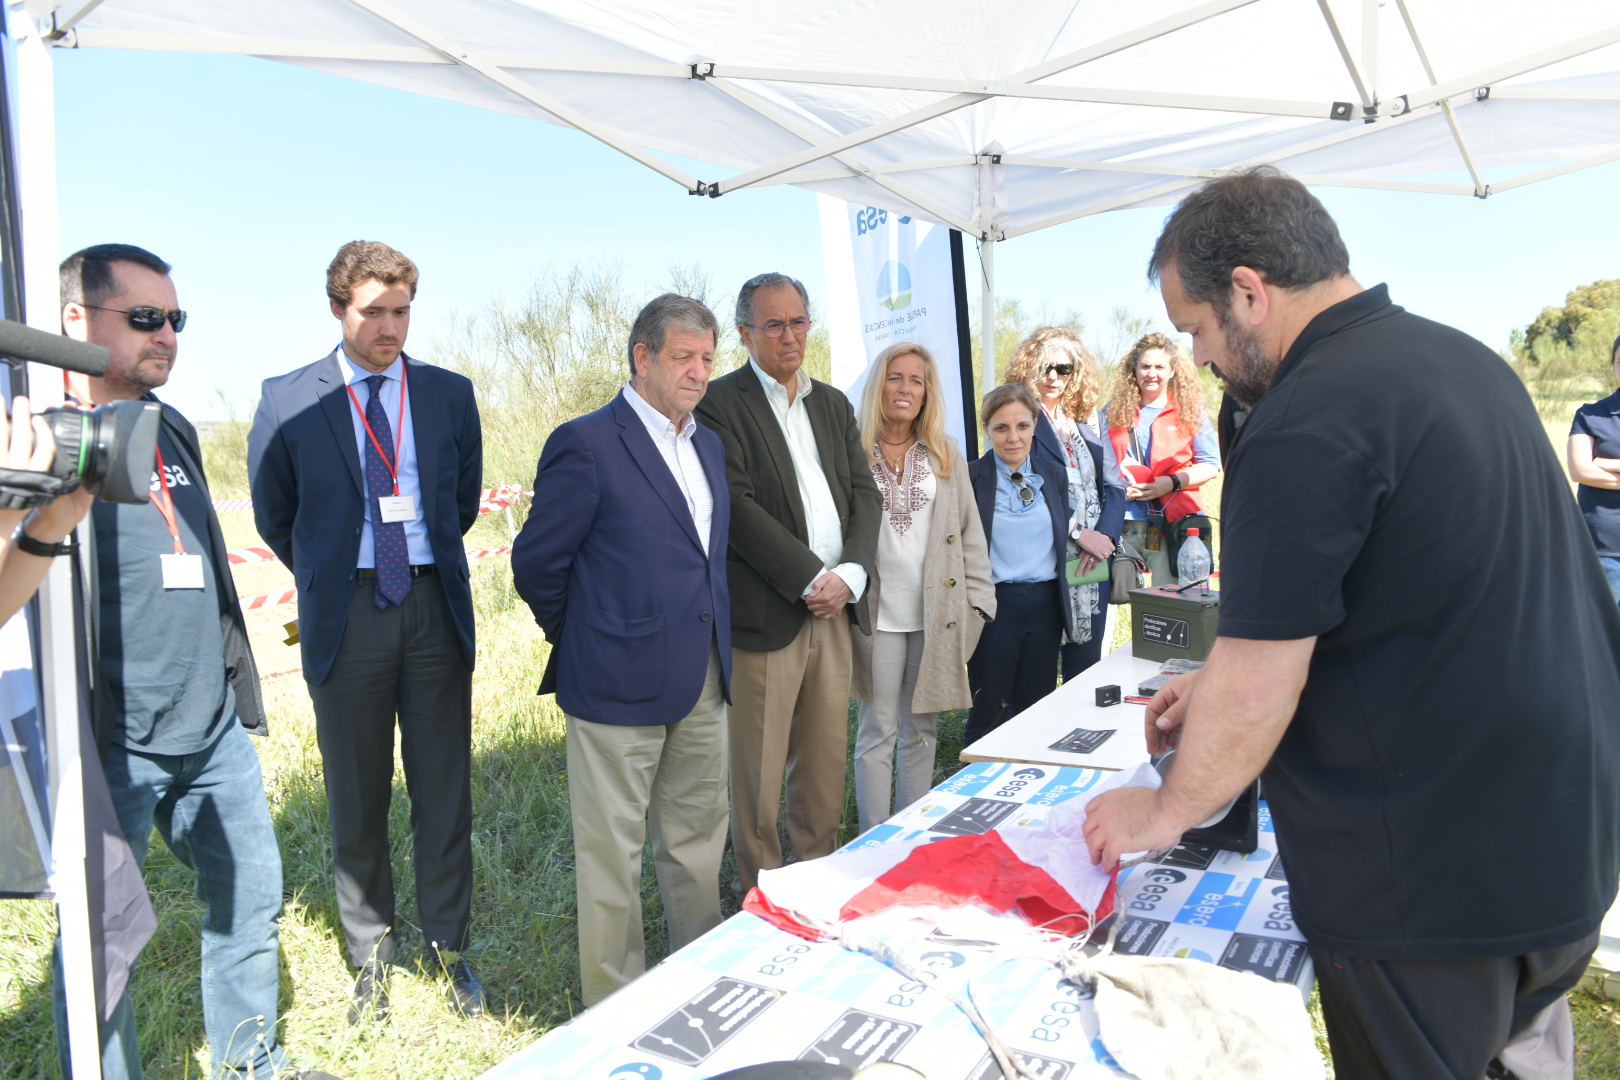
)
(1611, 570)
(210, 809)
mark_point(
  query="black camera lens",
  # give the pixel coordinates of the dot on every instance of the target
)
(109, 449)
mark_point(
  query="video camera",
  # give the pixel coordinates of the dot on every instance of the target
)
(108, 450)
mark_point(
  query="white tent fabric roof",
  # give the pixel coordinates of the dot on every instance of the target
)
(1087, 105)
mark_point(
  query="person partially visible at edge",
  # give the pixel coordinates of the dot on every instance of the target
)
(931, 592)
(623, 562)
(805, 515)
(1594, 464)
(1158, 428)
(1424, 725)
(178, 691)
(1023, 508)
(1061, 373)
(365, 468)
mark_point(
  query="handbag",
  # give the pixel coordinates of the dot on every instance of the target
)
(1097, 576)
(1128, 569)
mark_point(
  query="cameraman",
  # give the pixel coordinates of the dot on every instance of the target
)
(26, 555)
(178, 690)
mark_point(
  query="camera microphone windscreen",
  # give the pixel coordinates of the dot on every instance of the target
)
(21, 342)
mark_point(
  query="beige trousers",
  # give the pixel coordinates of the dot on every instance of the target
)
(887, 722)
(619, 777)
(1158, 561)
(789, 715)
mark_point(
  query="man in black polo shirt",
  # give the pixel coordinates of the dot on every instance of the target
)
(1417, 647)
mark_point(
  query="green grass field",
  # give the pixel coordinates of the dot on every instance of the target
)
(524, 944)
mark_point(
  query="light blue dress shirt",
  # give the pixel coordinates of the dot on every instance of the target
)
(416, 534)
(1021, 544)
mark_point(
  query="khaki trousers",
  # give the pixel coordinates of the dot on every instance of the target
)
(789, 715)
(619, 777)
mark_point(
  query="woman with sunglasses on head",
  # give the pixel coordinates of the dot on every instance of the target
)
(1022, 504)
(1163, 439)
(930, 591)
(1061, 374)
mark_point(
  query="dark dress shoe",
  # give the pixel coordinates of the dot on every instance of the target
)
(466, 992)
(370, 993)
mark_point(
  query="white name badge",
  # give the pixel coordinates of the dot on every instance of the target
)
(397, 508)
(182, 571)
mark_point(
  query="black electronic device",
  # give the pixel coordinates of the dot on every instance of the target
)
(1108, 695)
(107, 450)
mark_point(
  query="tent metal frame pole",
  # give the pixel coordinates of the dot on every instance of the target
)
(36, 173)
(1558, 170)
(1357, 131)
(1480, 190)
(1369, 104)
(787, 123)
(518, 88)
(1509, 69)
(960, 101)
(987, 316)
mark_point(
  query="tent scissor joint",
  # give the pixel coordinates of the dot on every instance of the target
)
(702, 70)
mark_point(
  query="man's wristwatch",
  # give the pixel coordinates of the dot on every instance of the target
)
(27, 544)
(1175, 482)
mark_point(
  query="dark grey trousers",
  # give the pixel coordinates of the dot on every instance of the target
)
(401, 661)
(1455, 1019)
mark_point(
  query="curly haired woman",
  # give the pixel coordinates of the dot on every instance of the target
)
(1163, 439)
(1064, 379)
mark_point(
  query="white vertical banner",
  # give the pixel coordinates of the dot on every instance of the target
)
(889, 280)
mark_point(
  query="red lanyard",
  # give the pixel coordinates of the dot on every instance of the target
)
(392, 466)
(165, 505)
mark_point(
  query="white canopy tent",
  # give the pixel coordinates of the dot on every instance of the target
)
(997, 119)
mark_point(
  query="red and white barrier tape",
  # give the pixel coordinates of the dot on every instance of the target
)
(489, 500)
(290, 596)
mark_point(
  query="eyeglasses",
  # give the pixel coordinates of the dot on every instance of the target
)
(1062, 369)
(148, 319)
(775, 327)
(1025, 492)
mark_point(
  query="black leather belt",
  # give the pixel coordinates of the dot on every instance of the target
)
(366, 573)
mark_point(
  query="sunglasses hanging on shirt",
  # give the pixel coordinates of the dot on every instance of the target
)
(147, 319)
(1025, 492)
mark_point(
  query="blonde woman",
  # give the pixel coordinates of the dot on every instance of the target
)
(1060, 373)
(1164, 441)
(931, 592)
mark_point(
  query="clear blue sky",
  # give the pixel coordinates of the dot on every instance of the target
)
(248, 175)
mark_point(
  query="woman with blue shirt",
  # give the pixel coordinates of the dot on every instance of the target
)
(1594, 464)
(1166, 448)
(1060, 373)
(1022, 505)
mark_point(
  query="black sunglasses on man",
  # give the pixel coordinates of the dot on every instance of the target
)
(148, 319)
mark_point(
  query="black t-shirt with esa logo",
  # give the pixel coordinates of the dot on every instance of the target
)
(162, 650)
(1450, 784)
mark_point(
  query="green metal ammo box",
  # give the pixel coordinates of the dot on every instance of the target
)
(1167, 624)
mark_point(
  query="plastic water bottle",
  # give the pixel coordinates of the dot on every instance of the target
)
(1192, 562)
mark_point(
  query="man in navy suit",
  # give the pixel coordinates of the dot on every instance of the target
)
(365, 468)
(622, 560)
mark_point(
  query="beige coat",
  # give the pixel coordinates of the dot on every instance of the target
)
(956, 579)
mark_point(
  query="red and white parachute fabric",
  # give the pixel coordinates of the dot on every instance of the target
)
(1021, 885)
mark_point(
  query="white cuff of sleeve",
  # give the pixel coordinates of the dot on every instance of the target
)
(854, 575)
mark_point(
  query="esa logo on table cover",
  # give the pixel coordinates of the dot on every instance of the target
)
(1018, 782)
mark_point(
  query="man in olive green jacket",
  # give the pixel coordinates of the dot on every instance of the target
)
(804, 520)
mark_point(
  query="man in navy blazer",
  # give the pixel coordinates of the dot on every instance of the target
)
(365, 468)
(622, 560)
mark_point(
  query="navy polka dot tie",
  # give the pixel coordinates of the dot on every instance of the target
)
(393, 559)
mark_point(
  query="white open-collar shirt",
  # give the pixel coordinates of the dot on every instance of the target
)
(675, 446)
(821, 513)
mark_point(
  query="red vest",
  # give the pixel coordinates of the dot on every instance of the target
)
(1171, 451)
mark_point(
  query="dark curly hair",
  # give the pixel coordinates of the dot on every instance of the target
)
(1257, 218)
